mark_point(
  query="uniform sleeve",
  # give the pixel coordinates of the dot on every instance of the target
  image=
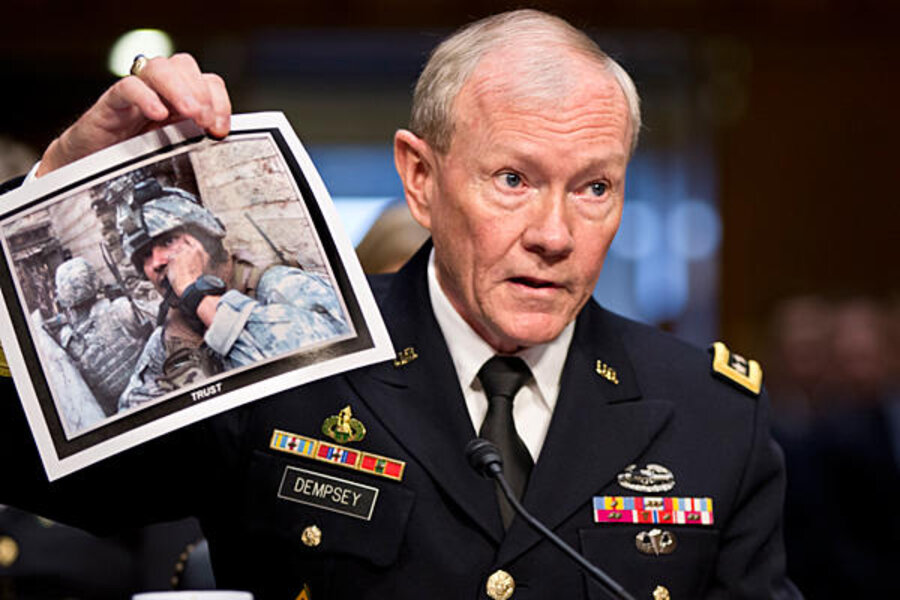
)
(751, 562)
(292, 308)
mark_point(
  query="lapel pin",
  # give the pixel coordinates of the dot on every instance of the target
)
(343, 428)
(607, 372)
(653, 478)
(661, 593)
(655, 542)
(405, 356)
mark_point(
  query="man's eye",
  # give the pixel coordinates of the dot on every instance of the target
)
(598, 188)
(512, 180)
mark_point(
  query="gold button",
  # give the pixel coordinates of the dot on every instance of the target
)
(9, 551)
(312, 536)
(661, 593)
(500, 585)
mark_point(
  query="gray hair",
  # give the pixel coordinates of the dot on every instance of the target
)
(454, 60)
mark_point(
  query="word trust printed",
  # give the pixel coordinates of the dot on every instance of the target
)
(207, 392)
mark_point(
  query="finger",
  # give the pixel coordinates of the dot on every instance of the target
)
(179, 82)
(131, 92)
(221, 105)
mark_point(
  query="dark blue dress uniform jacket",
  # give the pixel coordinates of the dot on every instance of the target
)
(437, 533)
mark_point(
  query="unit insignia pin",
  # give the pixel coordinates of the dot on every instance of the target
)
(405, 356)
(343, 428)
(656, 542)
(652, 478)
(661, 593)
(607, 372)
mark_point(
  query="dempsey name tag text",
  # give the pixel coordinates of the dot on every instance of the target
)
(331, 493)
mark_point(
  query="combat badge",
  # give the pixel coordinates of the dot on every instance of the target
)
(343, 428)
(653, 478)
(655, 542)
(737, 369)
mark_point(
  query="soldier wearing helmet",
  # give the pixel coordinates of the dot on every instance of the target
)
(103, 339)
(219, 310)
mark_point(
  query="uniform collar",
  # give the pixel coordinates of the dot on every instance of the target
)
(469, 351)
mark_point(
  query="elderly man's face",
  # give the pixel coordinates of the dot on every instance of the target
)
(524, 205)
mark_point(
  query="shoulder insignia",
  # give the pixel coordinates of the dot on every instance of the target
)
(734, 367)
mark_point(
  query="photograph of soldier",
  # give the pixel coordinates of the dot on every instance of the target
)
(102, 338)
(181, 268)
(219, 310)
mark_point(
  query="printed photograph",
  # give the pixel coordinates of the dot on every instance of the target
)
(172, 279)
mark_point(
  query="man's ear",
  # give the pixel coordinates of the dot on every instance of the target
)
(416, 165)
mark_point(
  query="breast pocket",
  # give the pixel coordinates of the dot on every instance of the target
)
(314, 510)
(683, 565)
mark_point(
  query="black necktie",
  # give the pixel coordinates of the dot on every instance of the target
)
(501, 377)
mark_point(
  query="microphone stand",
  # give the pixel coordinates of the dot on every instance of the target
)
(599, 576)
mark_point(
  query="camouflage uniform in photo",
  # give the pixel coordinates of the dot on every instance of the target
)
(105, 340)
(267, 311)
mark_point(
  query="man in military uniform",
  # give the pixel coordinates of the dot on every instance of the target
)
(515, 161)
(102, 338)
(219, 310)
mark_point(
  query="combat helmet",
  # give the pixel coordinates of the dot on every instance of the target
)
(76, 282)
(153, 210)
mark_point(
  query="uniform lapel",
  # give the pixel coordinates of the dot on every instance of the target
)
(420, 402)
(598, 428)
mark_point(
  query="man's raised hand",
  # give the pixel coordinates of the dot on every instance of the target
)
(166, 90)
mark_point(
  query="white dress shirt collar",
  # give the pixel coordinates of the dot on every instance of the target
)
(469, 352)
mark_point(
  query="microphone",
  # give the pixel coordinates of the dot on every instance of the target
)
(485, 458)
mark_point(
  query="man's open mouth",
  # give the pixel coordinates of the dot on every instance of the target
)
(533, 283)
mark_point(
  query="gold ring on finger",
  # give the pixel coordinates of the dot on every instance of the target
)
(140, 61)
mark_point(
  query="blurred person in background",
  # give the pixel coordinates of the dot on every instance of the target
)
(392, 240)
(843, 466)
(799, 338)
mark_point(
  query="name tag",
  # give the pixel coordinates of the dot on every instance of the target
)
(327, 492)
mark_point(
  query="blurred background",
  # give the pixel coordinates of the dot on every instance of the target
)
(760, 209)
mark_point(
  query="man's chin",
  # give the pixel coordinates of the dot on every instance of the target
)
(526, 331)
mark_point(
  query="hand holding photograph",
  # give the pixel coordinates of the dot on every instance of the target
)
(173, 277)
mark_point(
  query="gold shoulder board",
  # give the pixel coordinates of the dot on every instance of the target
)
(736, 368)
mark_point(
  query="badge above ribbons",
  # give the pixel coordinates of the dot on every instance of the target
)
(343, 428)
(653, 478)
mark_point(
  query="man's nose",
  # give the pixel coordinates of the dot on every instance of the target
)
(549, 231)
(158, 259)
